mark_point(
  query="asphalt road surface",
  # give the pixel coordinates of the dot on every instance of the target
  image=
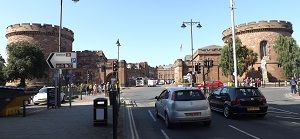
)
(281, 122)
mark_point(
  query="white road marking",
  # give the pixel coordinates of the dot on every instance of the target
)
(285, 117)
(130, 123)
(284, 111)
(152, 115)
(243, 132)
(165, 134)
(295, 123)
(278, 112)
(134, 126)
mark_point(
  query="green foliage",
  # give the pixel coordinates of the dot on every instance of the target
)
(245, 58)
(25, 61)
(2, 75)
(288, 51)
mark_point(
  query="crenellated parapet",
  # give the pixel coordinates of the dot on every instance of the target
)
(260, 26)
(179, 63)
(38, 29)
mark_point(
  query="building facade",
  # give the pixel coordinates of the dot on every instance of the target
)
(45, 35)
(260, 37)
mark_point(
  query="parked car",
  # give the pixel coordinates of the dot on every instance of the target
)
(238, 101)
(211, 84)
(41, 96)
(182, 104)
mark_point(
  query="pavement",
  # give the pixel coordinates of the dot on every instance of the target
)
(293, 96)
(75, 122)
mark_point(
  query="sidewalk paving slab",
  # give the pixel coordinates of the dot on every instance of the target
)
(62, 123)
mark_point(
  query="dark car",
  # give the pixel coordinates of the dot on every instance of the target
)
(238, 101)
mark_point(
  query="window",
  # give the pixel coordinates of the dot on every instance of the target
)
(248, 92)
(187, 95)
(263, 49)
(217, 92)
(162, 95)
(224, 91)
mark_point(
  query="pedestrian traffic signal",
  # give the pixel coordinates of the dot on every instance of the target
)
(115, 66)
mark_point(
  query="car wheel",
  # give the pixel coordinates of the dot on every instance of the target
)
(226, 112)
(207, 123)
(167, 121)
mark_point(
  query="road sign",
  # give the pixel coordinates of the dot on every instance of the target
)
(62, 60)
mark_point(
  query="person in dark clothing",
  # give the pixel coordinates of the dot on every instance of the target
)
(293, 84)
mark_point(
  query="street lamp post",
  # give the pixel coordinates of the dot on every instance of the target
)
(116, 96)
(191, 23)
(57, 97)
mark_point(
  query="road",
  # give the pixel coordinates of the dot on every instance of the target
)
(282, 120)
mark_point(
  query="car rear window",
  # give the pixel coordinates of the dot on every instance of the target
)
(248, 92)
(187, 95)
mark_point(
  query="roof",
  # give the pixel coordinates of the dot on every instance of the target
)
(173, 89)
(212, 47)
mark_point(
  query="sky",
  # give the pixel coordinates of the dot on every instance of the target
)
(148, 30)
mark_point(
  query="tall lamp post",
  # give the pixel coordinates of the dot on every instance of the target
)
(118, 45)
(191, 23)
(233, 43)
(59, 72)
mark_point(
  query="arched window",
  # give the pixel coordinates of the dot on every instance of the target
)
(263, 49)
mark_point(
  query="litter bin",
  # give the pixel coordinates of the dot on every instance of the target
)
(100, 111)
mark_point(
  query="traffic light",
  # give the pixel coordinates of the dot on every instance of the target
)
(210, 63)
(199, 68)
(205, 63)
(115, 66)
(196, 67)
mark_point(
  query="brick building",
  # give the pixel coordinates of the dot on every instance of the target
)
(258, 36)
(92, 66)
(46, 36)
(166, 73)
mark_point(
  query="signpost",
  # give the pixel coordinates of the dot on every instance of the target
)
(62, 60)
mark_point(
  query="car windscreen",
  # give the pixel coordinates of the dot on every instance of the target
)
(187, 95)
(248, 92)
(43, 90)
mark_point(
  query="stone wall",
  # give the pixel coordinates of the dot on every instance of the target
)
(46, 36)
(253, 33)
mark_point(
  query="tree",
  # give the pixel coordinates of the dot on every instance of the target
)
(245, 58)
(2, 74)
(25, 61)
(288, 52)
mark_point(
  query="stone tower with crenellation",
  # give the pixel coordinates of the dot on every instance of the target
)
(260, 37)
(46, 35)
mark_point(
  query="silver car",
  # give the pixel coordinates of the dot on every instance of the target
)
(183, 104)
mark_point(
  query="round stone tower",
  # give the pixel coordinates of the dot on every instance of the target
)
(260, 37)
(45, 35)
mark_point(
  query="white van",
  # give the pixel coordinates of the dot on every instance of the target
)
(152, 83)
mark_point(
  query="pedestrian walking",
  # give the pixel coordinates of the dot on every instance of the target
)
(293, 84)
(298, 85)
(95, 89)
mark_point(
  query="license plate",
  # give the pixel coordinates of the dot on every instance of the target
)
(253, 109)
(193, 114)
